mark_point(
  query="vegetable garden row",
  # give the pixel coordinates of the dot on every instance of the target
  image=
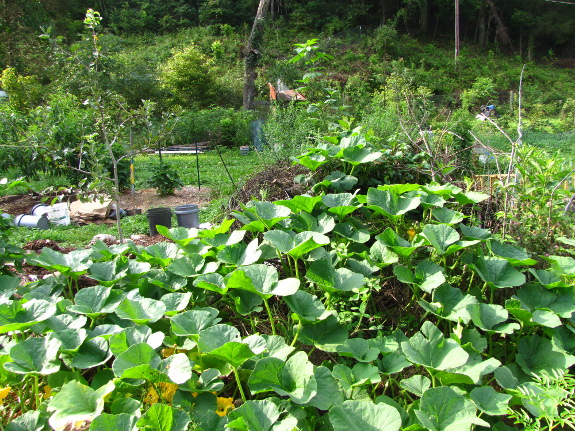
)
(275, 325)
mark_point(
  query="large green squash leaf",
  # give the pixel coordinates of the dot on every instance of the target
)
(364, 416)
(294, 378)
(443, 409)
(77, 402)
(35, 355)
(431, 349)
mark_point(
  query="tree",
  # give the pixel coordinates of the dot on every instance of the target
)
(252, 54)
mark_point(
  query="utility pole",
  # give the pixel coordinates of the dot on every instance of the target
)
(456, 30)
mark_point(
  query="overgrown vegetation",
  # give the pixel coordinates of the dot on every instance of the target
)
(423, 281)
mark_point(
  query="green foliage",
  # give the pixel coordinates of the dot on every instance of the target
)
(165, 179)
(189, 77)
(482, 92)
(227, 127)
(24, 91)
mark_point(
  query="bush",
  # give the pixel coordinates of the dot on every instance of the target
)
(482, 92)
(165, 179)
(189, 77)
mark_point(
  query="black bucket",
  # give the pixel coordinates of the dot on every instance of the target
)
(187, 215)
(159, 216)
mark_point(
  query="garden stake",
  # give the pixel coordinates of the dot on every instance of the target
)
(198, 166)
(225, 167)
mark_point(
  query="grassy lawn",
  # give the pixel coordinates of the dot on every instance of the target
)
(213, 174)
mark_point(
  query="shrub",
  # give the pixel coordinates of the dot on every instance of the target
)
(482, 92)
(189, 77)
(165, 179)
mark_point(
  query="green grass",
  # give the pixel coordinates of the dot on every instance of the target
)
(212, 169)
(212, 174)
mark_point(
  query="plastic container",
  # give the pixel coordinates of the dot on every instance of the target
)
(244, 150)
(39, 222)
(159, 217)
(188, 216)
(57, 213)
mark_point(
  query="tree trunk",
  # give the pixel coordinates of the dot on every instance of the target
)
(423, 16)
(252, 54)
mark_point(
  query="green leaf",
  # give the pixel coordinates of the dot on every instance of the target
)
(547, 278)
(514, 255)
(538, 355)
(177, 367)
(491, 318)
(311, 161)
(417, 384)
(32, 420)
(213, 282)
(233, 353)
(294, 378)
(121, 341)
(216, 336)
(8, 287)
(447, 216)
(254, 416)
(382, 255)
(489, 401)
(393, 241)
(240, 254)
(263, 280)
(71, 339)
(175, 302)
(430, 349)
(443, 409)
(261, 216)
(187, 266)
(440, 236)
(449, 303)
(15, 316)
(562, 265)
(302, 203)
(141, 311)
(325, 334)
(72, 264)
(328, 392)
(180, 235)
(390, 204)
(119, 422)
(192, 322)
(296, 245)
(161, 417)
(497, 272)
(323, 273)
(109, 273)
(306, 306)
(560, 300)
(35, 355)
(96, 300)
(473, 232)
(364, 416)
(140, 361)
(349, 231)
(77, 402)
(91, 353)
(359, 349)
(341, 204)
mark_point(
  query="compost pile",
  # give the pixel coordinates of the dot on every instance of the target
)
(277, 182)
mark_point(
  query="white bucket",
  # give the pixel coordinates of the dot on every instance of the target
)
(59, 214)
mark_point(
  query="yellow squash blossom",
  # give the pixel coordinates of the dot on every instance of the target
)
(166, 389)
(4, 393)
(224, 406)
